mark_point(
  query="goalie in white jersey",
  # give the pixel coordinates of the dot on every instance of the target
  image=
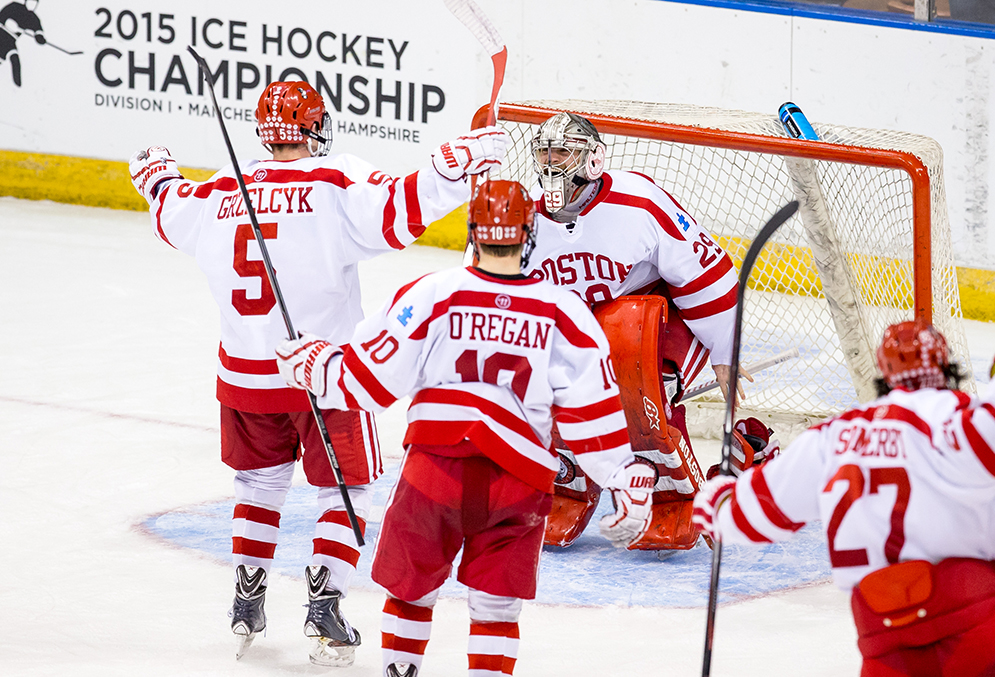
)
(490, 357)
(320, 215)
(905, 489)
(608, 234)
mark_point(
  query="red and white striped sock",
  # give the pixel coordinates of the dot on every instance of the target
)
(335, 547)
(493, 649)
(254, 531)
(405, 631)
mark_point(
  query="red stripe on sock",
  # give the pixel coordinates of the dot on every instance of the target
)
(250, 548)
(254, 513)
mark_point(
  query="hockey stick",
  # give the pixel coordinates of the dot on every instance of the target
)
(753, 367)
(65, 51)
(759, 241)
(471, 16)
(271, 275)
(17, 35)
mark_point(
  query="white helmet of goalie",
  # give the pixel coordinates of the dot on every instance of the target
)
(568, 154)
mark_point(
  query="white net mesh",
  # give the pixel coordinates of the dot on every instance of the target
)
(861, 241)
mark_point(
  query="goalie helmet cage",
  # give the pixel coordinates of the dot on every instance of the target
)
(869, 247)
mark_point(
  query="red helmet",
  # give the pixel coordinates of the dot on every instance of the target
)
(287, 111)
(913, 355)
(502, 213)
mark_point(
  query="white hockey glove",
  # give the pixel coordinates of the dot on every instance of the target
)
(707, 502)
(149, 167)
(478, 151)
(632, 493)
(303, 362)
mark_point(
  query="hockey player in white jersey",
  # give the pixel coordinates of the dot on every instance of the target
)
(608, 234)
(320, 214)
(905, 489)
(490, 356)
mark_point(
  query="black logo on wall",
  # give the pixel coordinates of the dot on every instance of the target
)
(17, 19)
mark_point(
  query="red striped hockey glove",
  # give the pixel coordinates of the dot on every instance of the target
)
(149, 167)
(752, 444)
(632, 494)
(708, 500)
(304, 361)
(476, 152)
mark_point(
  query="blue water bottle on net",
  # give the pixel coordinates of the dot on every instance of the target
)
(795, 123)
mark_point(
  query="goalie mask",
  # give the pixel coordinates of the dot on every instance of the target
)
(287, 114)
(568, 154)
(502, 213)
(913, 355)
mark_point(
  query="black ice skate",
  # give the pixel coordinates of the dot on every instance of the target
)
(334, 641)
(247, 616)
(402, 670)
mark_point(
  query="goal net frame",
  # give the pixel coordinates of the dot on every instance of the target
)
(919, 158)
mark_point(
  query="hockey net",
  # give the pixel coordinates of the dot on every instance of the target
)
(870, 245)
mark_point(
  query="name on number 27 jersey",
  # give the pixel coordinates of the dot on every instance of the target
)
(319, 217)
(908, 476)
(489, 359)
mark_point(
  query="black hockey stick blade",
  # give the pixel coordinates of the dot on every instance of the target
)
(271, 276)
(769, 228)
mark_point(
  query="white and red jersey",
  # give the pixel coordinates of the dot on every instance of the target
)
(490, 359)
(319, 217)
(908, 476)
(634, 233)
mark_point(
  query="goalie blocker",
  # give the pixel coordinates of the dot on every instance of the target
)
(644, 349)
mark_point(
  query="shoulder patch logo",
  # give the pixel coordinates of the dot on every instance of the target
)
(685, 224)
(405, 315)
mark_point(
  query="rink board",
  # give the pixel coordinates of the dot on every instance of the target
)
(589, 573)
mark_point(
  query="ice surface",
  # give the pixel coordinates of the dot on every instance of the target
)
(108, 419)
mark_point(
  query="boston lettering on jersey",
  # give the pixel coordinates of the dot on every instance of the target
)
(567, 269)
(513, 331)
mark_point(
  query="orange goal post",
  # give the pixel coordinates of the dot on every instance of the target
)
(870, 245)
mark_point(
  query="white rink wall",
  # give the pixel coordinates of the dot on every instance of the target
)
(875, 76)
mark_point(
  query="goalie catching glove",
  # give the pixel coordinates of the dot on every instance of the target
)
(149, 168)
(303, 362)
(752, 444)
(478, 151)
(632, 494)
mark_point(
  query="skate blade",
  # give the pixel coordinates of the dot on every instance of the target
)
(325, 653)
(243, 642)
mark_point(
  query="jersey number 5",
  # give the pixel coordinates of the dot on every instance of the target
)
(246, 268)
(854, 477)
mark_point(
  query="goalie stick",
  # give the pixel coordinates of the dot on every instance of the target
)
(471, 16)
(756, 246)
(753, 367)
(271, 276)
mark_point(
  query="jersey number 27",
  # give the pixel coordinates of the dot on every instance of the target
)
(854, 477)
